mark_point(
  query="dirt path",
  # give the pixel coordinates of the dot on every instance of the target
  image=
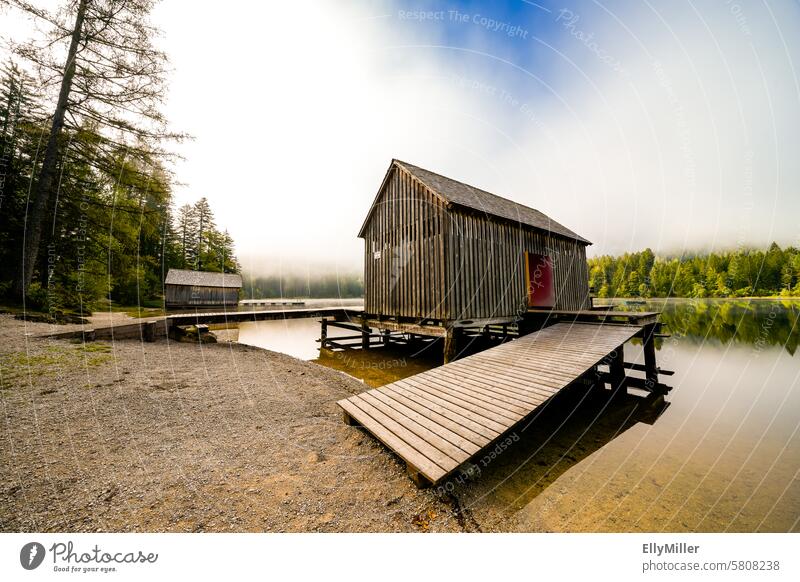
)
(171, 436)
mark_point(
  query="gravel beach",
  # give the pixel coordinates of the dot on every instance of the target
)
(180, 437)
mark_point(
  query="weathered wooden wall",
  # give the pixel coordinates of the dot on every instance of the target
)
(486, 266)
(407, 278)
(423, 260)
(192, 295)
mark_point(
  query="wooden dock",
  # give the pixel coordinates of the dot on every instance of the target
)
(596, 314)
(439, 419)
(201, 317)
(151, 328)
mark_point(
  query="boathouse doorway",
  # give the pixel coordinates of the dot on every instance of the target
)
(539, 276)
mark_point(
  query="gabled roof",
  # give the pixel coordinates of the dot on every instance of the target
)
(460, 194)
(203, 279)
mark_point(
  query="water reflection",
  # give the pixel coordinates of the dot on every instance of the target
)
(724, 456)
(755, 322)
(569, 428)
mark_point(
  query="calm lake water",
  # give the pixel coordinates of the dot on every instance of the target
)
(722, 454)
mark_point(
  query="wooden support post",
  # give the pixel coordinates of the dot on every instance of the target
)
(149, 331)
(451, 344)
(348, 420)
(323, 333)
(365, 331)
(418, 478)
(617, 371)
(649, 348)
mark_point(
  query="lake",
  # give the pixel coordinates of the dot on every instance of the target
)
(723, 454)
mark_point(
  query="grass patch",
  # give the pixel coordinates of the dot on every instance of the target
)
(146, 309)
(16, 366)
(94, 347)
(151, 308)
(55, 316)
(138, 312)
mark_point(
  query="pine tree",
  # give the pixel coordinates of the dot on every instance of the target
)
(109, 84)
(205, 227)
(186, 231)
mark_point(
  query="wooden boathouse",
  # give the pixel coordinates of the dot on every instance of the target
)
(445, 259)
(200, 289)
(441, 256)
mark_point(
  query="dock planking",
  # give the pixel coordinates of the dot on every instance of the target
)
(439, 419)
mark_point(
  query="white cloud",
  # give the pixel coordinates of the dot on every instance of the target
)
(296, 117)
(297, 111)
(695, 146)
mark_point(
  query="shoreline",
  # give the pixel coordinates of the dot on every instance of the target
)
(176, 437)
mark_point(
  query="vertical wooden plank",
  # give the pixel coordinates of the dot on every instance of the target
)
(469, 280)
(407, 266)
(442, 262)
(427, 274)
(487, 275)
(469, 262)
(422, 234)
(493, 297)
(413, 266)
(457, 241)
(481, 264)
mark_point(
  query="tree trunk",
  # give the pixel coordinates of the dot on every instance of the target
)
(36, 217)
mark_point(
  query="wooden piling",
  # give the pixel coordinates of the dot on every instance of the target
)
(365, 333)
(649, 349)
(149, 331)
(451, 344)
(617, 371)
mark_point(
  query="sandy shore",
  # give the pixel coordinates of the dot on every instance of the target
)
(172, 436)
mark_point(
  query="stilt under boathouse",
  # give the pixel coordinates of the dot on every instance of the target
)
(447, 260)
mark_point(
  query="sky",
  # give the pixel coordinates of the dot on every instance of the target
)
(669, 125)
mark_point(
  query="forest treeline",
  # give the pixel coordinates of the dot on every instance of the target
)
(86, 207)
(111, 228)
(739, 273)
(313, 286)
